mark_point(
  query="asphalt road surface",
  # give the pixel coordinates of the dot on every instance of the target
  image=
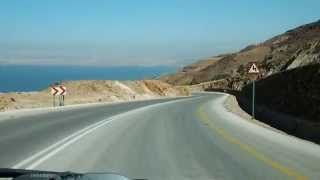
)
(185, 138)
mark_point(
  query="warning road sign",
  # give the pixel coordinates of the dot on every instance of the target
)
(58, 90)
(253, 69)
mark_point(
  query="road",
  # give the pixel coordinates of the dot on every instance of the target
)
(186, 138)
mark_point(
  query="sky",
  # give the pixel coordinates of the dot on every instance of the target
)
(140, 32)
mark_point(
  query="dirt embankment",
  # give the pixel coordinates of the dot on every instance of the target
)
(79, 92)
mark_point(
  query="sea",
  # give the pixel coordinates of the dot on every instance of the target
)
(26, 78)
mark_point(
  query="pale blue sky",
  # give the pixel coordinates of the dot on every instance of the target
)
(140, 32)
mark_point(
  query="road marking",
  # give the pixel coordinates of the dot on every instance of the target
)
(247, 148)
(59, 146)
(62, 144)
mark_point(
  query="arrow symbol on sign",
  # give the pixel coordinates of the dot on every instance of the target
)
(54, 91)
(63, 90)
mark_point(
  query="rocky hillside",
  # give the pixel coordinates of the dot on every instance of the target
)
(294, 48)
(92, 91)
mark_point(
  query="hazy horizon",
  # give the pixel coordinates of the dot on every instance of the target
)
(140, 33)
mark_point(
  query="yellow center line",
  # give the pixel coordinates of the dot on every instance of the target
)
(247, 148)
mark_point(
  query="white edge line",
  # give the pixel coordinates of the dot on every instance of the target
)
(59, 143)
(66, 144)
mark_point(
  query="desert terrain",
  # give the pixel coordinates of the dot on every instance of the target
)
(92, 91)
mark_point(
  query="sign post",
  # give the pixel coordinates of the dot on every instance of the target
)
(253, 97)
(253, 69)
(59, 91)
(54, 101)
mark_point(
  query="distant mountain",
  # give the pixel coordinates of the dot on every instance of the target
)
(294, 48)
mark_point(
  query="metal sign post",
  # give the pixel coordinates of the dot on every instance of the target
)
(54, 101)
(253, 96)
(62, 98)
(60, 102)
(253, 69)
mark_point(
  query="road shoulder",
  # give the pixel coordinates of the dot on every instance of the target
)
(231, 105)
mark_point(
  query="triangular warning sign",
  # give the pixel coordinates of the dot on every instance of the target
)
(253, 69)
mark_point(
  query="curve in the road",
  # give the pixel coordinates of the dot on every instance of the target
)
(193, 138)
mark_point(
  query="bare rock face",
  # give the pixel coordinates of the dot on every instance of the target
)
(311, 55)
(295, 48)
